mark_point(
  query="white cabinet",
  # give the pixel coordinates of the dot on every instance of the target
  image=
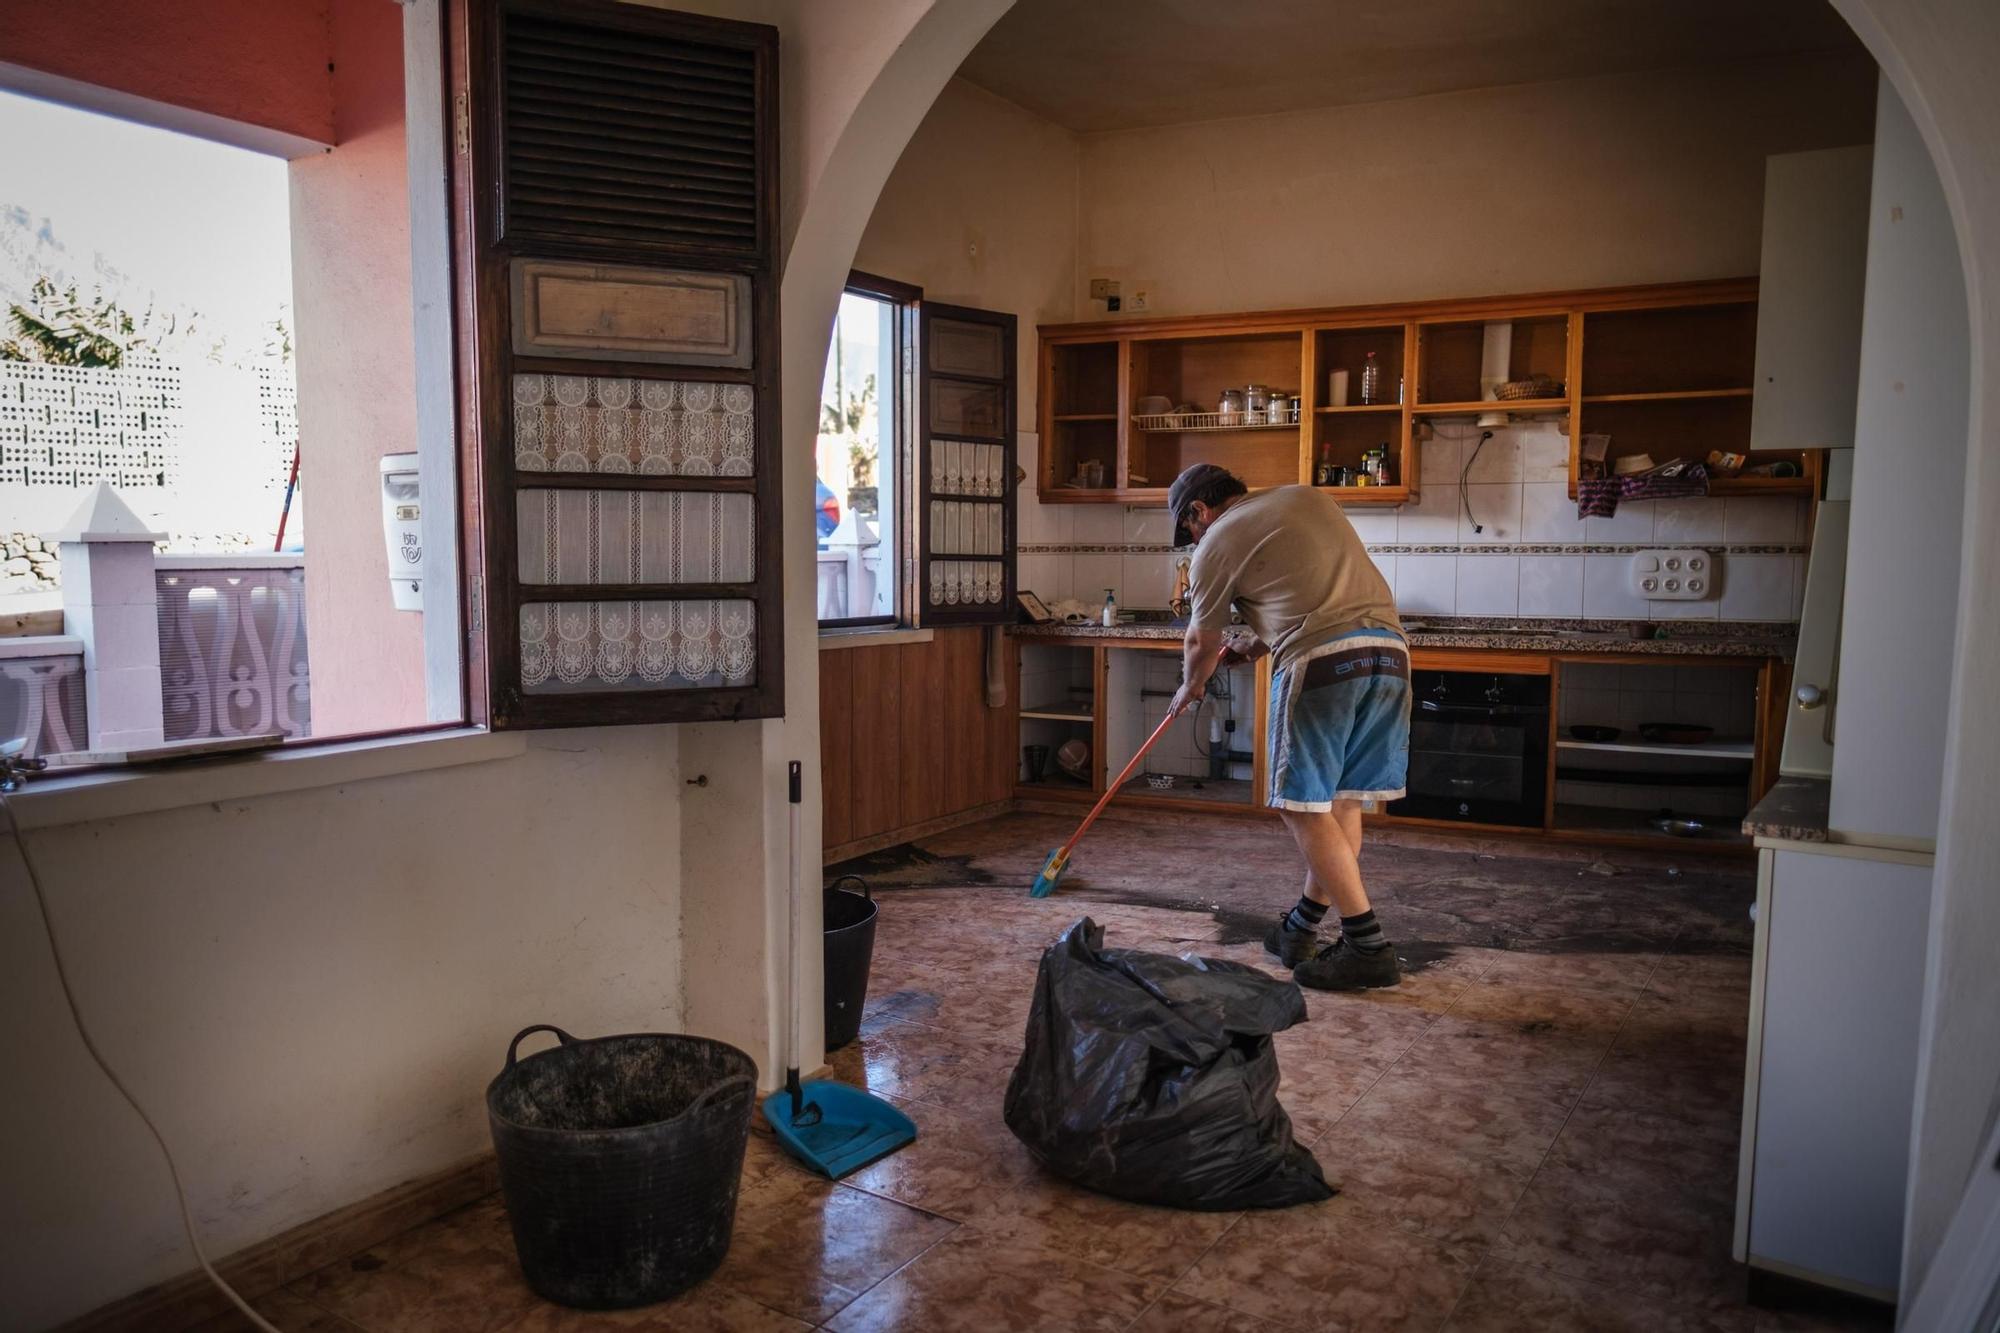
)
(1809, 286)
(1836, 999)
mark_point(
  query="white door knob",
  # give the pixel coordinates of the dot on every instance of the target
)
(1811, 696)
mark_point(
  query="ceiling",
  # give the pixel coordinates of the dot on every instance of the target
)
(1094, 65)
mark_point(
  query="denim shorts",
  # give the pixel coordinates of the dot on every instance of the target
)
(1339, 728)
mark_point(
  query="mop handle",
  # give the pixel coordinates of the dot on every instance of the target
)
(1118, 782)
(792, 943)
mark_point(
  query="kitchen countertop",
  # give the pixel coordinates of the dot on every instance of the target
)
(1795, 810)
(1702, 638)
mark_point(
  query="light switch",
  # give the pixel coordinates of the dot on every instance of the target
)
(1673, 575)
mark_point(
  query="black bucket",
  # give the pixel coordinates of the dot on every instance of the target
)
(850, 944)
(619, 1158)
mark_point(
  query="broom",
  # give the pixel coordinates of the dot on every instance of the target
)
(1045, 883)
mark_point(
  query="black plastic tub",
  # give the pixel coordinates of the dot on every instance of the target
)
(619, 1159)
(850, 946)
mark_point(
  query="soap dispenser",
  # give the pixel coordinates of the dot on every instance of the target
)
(1110, 609)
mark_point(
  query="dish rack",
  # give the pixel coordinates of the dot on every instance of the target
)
(1196, 421)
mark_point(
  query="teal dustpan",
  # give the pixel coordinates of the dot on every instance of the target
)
(831, 1127)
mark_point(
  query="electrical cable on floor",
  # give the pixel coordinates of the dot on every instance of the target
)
(82, 1031)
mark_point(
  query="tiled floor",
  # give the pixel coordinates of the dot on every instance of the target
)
(1536, 1131)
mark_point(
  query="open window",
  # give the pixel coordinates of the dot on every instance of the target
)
(864, 516)
(617, 171)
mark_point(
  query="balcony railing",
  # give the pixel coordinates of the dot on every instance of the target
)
(41, 693)
(233, 645)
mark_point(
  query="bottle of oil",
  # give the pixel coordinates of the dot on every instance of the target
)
(1371, 381)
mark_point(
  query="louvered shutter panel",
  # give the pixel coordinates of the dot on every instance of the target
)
(620, 165)
(965, 466)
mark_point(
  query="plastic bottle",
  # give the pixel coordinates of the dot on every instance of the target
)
(1371, 381)
(1323, 474)
(1218, 749)
(1110, 609)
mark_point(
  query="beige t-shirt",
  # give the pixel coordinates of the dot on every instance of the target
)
(1294, 566)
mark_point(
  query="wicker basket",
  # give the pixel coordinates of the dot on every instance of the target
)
(1540, 386)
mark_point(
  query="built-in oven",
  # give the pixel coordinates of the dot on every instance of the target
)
(1479, 748)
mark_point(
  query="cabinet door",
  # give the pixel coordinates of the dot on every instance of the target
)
(965, 468)
(1809, 299)
(1828, 1171)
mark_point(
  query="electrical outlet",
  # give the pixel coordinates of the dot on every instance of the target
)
(1102, 289)
(1142, 298)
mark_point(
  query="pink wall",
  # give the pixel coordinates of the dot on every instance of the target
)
(357, 386)
(260, 62)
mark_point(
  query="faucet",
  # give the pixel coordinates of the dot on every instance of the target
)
(1179, 603)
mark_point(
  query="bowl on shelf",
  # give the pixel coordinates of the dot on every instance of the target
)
(1153, 405)
(1680, 826)
(1588, 731)
(1675, 733)
(1073, 758)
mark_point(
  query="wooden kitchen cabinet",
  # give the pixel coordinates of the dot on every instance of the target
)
(1668, 371)
(1092, 688)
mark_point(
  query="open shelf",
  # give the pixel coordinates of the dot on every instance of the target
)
(1085, 416)
(1361, 407)
(1638, 823)
(1057, 713)
(1712, 749)
(1669, 396)
(1519, 405)
(1449, 359)
(1670, 349)
(1215, 791)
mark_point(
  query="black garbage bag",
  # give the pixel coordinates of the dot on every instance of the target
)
(1153, 1079)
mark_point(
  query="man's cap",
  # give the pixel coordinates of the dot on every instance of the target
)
(1183, 491)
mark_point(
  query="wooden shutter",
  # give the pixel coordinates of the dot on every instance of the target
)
(965, 467)
(617, 217)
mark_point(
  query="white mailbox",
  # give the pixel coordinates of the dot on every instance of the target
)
(402, 531)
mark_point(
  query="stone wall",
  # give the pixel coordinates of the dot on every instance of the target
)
(28, 564)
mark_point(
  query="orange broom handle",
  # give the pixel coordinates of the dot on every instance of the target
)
(1112, 790)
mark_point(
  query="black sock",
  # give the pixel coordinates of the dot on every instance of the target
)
(1364, 932)
(1306, 916)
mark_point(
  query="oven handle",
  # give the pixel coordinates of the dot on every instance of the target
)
(1485, 711)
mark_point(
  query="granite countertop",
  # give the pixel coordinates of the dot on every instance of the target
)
(1690, 638)
(1794, 810)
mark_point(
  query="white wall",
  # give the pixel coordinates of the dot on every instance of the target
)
(309, 991)
(1651, 177)
(981, 211)
(1900, 608)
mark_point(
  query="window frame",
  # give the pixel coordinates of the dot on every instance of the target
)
(484, 247)
(906, 300)
(109, 787)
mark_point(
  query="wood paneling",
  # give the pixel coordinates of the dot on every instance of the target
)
(906, 738)
(923, 759)
(836, 746)
(875, 773)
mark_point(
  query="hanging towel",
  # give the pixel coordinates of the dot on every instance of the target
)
(1598, 497)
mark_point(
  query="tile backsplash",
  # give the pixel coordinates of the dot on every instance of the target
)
(1508, 542)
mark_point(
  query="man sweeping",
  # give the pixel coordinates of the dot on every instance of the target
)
(1339, 730)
